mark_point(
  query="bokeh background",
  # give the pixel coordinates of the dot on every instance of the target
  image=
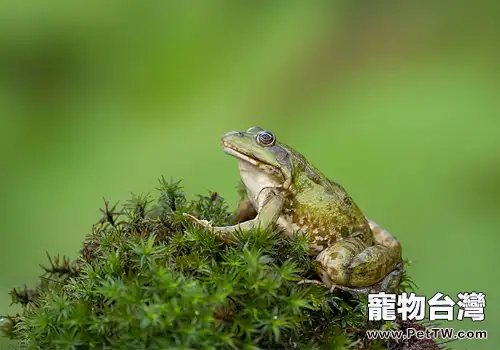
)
(396, 100)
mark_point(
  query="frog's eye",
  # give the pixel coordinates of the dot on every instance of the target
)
(265, 138)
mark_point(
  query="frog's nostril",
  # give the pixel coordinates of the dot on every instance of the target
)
(232, 134)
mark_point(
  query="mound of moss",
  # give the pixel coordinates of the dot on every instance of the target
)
(147, 278)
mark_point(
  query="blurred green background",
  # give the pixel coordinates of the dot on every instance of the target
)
(396, 100)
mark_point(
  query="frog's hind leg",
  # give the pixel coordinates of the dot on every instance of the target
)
(388, 284)
(383, 237)
(391, 281)
(351, 263)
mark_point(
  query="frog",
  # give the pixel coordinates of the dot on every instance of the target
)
(352, 252)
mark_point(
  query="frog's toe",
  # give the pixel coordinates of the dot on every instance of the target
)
(337, 287)
(353, 291)
(306, 281)
(190, 217)
(203, 223)
(331, 287)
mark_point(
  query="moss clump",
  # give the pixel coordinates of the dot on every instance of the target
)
(147, 279)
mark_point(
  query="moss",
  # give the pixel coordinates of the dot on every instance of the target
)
(147, 279)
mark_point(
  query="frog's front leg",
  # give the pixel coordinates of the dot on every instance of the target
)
(270, 202)
(352, 265)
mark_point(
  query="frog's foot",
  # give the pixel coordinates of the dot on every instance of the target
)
(334, 287)
(202, 223)
(390, 283)
(223, 232)
(316, 282)
(351, 290)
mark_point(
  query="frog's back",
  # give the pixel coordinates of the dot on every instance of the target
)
(323, 208)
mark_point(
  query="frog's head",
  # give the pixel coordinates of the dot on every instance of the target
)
(263, 160)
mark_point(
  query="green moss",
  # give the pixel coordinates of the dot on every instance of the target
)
(147, 279)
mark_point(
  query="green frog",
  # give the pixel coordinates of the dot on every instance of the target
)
(352, 252)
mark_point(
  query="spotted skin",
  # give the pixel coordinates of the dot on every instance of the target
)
(352, 251)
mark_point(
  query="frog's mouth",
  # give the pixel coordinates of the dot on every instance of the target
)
(275, 172)
(235, 152)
